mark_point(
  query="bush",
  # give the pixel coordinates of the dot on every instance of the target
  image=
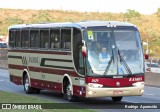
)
(132, 13)
(13, 20)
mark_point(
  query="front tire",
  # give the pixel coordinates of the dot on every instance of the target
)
(68, 93)
(117, 99)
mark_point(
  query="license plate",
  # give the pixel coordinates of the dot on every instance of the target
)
(117, 92)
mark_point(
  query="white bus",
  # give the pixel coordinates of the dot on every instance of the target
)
(66, 57)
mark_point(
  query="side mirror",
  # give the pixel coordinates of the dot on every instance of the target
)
(146, 56)
(84, 49)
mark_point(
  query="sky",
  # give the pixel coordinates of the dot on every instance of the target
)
(115, 6)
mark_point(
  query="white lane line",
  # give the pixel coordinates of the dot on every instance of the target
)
(130, 101)
(4, 81)
(149, 94)
(151, 87)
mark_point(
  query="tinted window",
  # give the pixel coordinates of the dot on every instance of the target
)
(17, 38)
(11, 39)
(66, 38)
(77, 51)
(25, 38)
(55, 39)
(44, 34)
(34, 39)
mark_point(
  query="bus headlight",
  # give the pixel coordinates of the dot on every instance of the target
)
(95, 85)
(138, 84)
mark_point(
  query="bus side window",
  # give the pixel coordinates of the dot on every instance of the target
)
(55, 45)
(34, 39)
(55, 38)
(44, 35)
(11, 39)
(18, 38)
(66, 39)
(25, 39)
(67, 45)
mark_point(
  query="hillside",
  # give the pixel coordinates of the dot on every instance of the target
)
(149, 25)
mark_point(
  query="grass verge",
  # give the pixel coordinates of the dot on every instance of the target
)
(7, 97)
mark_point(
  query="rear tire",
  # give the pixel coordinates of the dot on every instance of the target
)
(117, 99)
(68, 93)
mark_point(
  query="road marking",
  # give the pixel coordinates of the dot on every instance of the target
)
(149, 94)
(4, 81)
(130, 101)
(152, 87)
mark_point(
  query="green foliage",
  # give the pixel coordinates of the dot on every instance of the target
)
(148, 24)
(158, 12)
(7, 97)
(131, 13)
(41, 17)
(13, 20)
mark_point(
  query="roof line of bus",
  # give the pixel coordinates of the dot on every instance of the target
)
(81, 24)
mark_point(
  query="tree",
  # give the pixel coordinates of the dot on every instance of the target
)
(13, 20)
(132, 13)
(41, 17)
(158, 12)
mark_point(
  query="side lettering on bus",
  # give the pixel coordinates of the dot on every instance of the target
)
(33, 59)
(135, 79)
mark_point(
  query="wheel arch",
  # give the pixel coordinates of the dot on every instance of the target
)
(66, 77)
(25, 72)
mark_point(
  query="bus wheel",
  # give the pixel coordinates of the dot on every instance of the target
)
(27, 88)
(68, 93)
(116, 99)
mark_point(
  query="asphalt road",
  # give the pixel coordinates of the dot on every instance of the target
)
(151, 95)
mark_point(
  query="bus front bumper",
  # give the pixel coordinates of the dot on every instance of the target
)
(113, 92)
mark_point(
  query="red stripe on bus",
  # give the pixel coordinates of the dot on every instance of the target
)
(18, 67)
(44, 70)
(53, 71)
(115, 82)
(16, 79)
(41, 84)
(40, 52)
(79, 90)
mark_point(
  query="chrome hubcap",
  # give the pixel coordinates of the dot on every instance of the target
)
(68, 90)
(26, 84)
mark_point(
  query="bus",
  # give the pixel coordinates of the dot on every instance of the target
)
(79, 59)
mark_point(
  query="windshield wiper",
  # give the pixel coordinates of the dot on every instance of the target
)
(122, 60)
(109, 64)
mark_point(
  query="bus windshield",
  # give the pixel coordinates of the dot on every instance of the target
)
(113, 51)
